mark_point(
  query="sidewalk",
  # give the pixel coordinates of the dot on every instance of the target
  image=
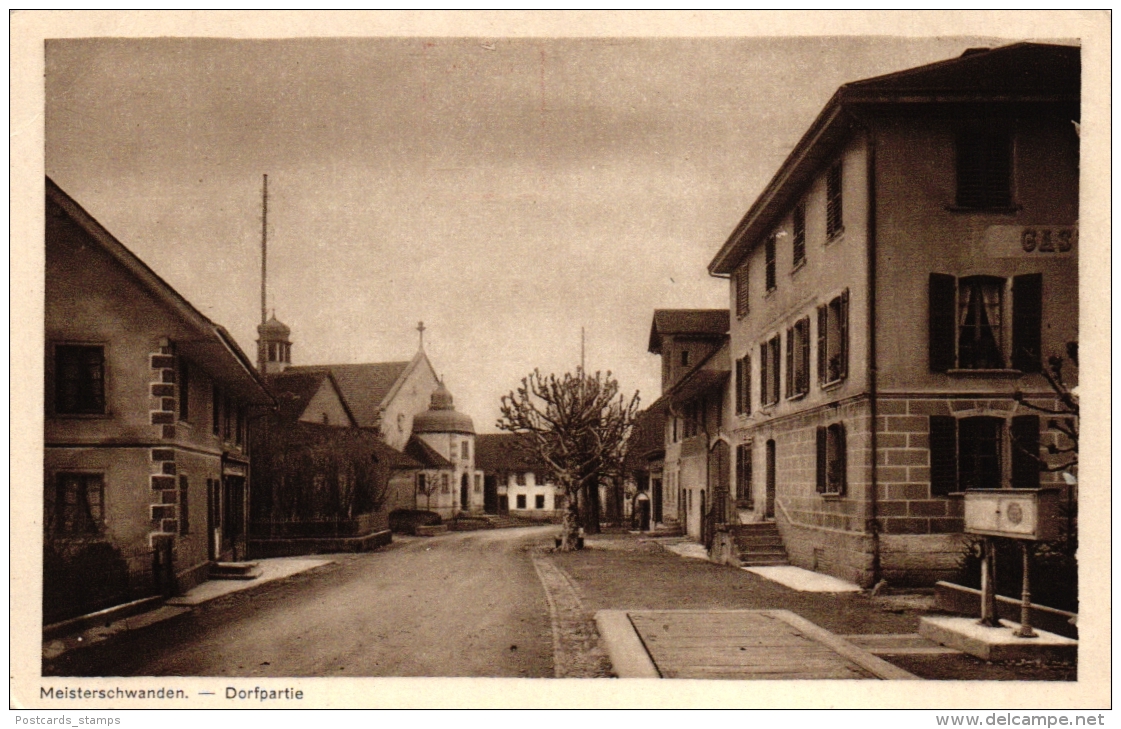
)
(635, 574)
(270, 570)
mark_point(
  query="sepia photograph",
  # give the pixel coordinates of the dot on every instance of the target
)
(734, 348)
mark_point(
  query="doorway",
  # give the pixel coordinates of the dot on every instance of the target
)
(463, 492)
(490, 494)
(656, 493)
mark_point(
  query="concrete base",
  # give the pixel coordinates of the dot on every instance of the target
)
(802, 580)
(996, 644)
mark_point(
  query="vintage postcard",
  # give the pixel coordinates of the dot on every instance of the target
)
(359, 352)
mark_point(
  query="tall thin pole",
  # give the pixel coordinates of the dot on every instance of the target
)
(581, 349)
(264, 246)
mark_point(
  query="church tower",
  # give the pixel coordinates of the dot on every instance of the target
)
(274, 349)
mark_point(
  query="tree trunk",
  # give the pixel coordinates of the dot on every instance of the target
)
(591, 504)
(570, 524)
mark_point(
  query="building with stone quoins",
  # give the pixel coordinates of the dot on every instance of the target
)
(910, 267)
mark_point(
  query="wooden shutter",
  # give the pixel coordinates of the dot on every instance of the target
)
(764, 392)
(742, 301)
(1025, 445)
(943, 455)
(747, 384)
(790, 362)
(822, 457)
(942, 296)
(844, 327)
(822, 347)
(843, 458)
(739, 386)
(776, 365)
(1027, 322)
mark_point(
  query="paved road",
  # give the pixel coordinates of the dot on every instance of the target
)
(462, 604)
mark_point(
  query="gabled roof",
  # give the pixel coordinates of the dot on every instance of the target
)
(505, 452)
(647, 438)
(710, 373)
(365, 387)
(709, 323)
(317, 432)
(1019, 73)
(212, 347)
(425, 454)
(294, 390)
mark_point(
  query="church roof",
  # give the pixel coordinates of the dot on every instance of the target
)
(426, 455)
(365, 387)
(319, 433)
(294, 390)
(496, 452)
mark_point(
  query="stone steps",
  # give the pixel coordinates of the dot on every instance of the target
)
(759, 544)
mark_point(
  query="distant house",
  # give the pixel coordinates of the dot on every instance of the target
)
(515, 481)
(146, 465)
(687, 340)
(644, 468)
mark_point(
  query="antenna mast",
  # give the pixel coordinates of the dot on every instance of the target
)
(264, 246)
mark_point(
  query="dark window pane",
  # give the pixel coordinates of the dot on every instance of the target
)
(984, 169)
(980, 311)
(79, 380)
(979, 453)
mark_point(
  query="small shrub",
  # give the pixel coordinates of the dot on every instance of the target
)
(406, 521)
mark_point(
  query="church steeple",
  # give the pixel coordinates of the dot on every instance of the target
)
(274, 349)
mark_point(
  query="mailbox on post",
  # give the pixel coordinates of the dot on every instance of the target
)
(1027, 515)
(1031, 514)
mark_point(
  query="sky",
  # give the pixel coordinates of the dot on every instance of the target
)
(507, 192)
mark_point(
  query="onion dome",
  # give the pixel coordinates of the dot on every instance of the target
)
(273, 329)
(441, 416)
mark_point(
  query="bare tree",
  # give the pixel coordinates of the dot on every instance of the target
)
(1065, 415)
(578, 426)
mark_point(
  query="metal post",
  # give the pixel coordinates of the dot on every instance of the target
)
(1025, 630)
(988, 593)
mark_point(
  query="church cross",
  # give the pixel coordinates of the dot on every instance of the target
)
(420, 328)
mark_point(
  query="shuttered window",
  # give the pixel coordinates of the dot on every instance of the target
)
(831, 459)
(834, 204)
(833, 340)
(774, 354)
(799, 224)
(1025, 452)
(984, 168)
(744, 469)
(968, 322)
(743, 303)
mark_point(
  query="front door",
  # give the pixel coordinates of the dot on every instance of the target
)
(463, 494)
(490, 494)
(213, 518)
(769, 509)
(656, 493)
(233, 514)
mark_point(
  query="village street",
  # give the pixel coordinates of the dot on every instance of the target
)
(494, 603)
(464, 604)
